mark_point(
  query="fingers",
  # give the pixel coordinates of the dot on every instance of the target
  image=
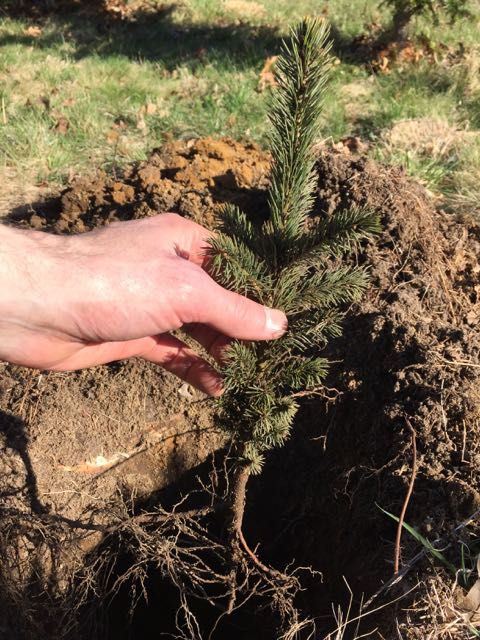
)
(212, 341)
(165, 350)
(175, 356)
(223, 311)
(231, 314)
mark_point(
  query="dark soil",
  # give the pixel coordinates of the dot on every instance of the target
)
(410, 356)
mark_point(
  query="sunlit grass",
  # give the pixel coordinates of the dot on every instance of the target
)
(193, 71)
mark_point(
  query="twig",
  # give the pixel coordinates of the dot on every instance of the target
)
(396, 562)
(4, 113)
(457, 363)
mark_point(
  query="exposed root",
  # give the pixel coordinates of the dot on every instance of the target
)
(186, 547)
(237, 538)
(201, 566)
(396, 562)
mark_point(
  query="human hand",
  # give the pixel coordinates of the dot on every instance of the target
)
(70, 302)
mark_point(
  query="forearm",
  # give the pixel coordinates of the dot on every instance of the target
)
(17, 249)
(23, 257)
(26, 259)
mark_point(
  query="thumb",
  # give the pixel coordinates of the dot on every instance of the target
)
(236, 316)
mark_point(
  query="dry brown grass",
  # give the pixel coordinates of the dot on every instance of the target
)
(433, 138)
(245, 8)
(19, 190)
(437, 613)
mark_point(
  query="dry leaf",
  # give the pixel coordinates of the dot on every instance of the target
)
(119, 124)
(150, 108)
(267, 77)
(470, 603)
(184, 392)
(473, 317)
(62, 126)
(411, 54)
(33, 31)
(460, 260)
(69, 102)
(384, 64)
(113, 136)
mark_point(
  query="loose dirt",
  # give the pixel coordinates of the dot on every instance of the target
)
(409, 356)
(192, 177)
(76, 446)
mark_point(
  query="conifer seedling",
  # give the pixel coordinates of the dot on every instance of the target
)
(293, 262)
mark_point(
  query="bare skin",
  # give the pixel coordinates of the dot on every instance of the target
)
(72, 302)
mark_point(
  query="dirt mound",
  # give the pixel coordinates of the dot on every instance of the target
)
(409, 360)
(193, 178)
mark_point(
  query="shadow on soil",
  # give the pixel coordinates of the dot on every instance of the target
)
(314, 505)
(16, 439)
(49, 209)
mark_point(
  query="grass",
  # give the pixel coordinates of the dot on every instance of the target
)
(450, 602)
(79, 92)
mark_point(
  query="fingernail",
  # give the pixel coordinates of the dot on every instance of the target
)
(218, 391)
(276, 322)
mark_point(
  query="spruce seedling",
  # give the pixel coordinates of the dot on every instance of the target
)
(291, 262)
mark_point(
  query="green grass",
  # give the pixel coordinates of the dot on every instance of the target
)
(198, 63)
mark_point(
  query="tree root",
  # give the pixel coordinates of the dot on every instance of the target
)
(185, 546)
